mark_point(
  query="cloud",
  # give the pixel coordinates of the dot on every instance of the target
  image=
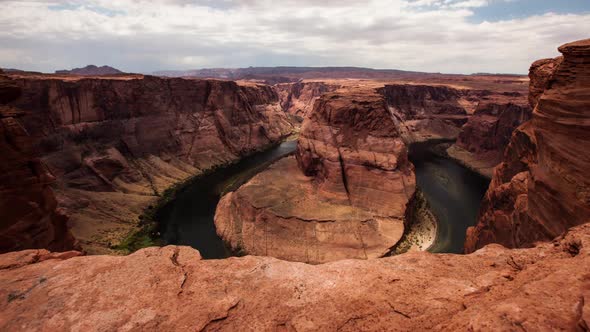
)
(144, 36)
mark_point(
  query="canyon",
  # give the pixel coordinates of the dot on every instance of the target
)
(541, 189)
(113, 145)
(98, 151)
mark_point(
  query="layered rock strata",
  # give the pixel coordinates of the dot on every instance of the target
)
(116, 144)
(343, 195)
(298, 98)
(541, 188)
(481, 121)
(30, 216)
(171, 289)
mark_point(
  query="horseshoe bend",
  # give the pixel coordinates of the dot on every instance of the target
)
(296, 198)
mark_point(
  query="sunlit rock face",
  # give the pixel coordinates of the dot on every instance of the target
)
(343, 195)
(173, 290)
(115, 143)
(541, 188)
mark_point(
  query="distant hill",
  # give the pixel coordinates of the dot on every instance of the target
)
(90, 70)
(286, 74)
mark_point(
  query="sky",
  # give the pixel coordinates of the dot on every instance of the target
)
(449, 36)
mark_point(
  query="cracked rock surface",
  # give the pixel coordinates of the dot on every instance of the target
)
(170, 288)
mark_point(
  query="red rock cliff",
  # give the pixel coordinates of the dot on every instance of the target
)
(345, 195)
(30, 217)
(116, 143)
(542, 188)
(299, 98)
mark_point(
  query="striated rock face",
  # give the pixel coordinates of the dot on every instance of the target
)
(343, 196)
(115, 144)
(480, 120)
(426, 112)
(171, 289)
(298, 98)
(482, 140)
(30, 217)
(541, 188)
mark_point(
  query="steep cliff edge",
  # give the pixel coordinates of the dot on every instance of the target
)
(115, 144)
(542, 188)
(343, 196)
(481, 121)
(298, 98)
(30, 217)
(171, 289)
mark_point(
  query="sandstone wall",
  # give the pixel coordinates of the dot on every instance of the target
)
(114, 144)
(541, 188)
(299, 98)
(30, 217)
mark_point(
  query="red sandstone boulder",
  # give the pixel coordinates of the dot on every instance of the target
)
(542, 188)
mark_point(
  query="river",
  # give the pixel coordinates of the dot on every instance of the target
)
(452, 191)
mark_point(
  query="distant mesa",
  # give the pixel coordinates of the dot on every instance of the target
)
(91, 70)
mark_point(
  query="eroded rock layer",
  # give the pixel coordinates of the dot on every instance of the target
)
(480, 120)
(171, 289)
(542, 188)
(343, 196)
(298, 98)
(114, 144)
(30, 217)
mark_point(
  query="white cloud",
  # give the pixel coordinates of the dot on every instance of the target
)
(137, 35)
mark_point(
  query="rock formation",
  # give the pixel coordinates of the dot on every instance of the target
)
(115, 144)
(90, 70)
(480, 120)
(482, 140)
(30, 217)
(541, 188)
(343, 196)
(298, 98)
(171, 289)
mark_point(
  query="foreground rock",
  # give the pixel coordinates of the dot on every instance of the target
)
(171, 289)
(115, 144)
(30, 217)
(542, 186)
(344, 196)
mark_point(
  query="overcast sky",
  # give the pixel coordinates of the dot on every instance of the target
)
(452, 36)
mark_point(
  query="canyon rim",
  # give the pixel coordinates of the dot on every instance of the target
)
(289, 196)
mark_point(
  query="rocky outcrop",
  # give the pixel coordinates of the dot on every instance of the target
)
(30, 217)
(171, 289)
(425, 112)
(114, 145)
(481, 143)
(298, 98)
(343, 196)
(541, 188)
(481, 121)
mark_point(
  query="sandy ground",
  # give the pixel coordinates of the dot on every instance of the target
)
(421, 234)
